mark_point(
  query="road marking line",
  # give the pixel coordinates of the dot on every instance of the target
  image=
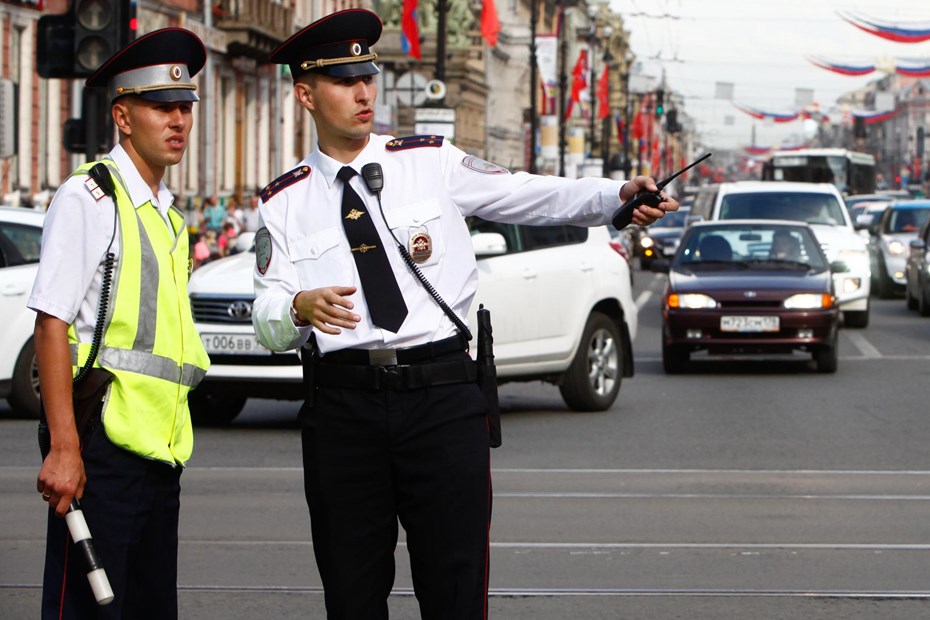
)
(865, 347)
(401, 591)
(642, 299)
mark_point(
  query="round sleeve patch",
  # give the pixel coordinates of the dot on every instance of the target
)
(262, 250)
(485, 167)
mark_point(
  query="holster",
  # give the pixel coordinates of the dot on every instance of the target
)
(87, 395)
(487, 375)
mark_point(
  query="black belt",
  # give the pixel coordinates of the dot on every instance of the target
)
(399, 378)
(394, 357)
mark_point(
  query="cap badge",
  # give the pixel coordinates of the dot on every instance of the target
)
(356, 49)
(176, 73)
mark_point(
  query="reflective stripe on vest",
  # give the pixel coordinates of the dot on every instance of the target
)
(150, 342)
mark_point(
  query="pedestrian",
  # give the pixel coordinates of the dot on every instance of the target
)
(394, 427)
(250, 219)
(214, 214)
(126, 467)
(233, 216)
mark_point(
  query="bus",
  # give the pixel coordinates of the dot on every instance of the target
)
(851, 172)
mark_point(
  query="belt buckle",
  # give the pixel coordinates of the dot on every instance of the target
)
(382, 357)
(390, 377)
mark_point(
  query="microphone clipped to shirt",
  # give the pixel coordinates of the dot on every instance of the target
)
(374, 178)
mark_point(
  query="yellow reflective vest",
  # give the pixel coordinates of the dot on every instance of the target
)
(149, 340)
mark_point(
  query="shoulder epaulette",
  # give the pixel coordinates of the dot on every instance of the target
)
(285, 180)
(413, 142)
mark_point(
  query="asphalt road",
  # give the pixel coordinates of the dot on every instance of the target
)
(742, 489)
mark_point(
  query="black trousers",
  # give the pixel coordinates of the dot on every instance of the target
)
(420, 457)
(131, 506)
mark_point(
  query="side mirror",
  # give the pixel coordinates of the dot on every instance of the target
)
(917, 244)
(839, 266)
(659, 265)
(488, 244)
(863, 221)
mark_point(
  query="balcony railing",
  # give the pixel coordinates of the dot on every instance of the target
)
(253, 27)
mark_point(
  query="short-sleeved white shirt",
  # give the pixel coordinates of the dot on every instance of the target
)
(77, 232)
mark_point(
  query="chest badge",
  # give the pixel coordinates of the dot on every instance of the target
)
(421, 247)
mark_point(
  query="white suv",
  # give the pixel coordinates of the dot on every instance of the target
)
(560, 301)
(20, 245)
(818, 204)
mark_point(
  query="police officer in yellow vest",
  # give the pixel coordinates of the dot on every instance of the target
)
(126, 468)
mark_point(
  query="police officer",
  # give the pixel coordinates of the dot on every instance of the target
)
(126, 468)
(394, 427)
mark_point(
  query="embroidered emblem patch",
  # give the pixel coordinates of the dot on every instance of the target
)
(262, 250)
(413, 142)
(285, 180)
(485, 167)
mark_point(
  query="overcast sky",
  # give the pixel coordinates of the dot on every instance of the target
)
(762, 47)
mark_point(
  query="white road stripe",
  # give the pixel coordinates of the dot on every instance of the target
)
(399, 591)
(865, 347)
(642, 299)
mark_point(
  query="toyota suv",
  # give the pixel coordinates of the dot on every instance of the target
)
(818, 204)
(559, 296)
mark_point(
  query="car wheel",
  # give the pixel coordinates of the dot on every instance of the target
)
(826, 357)
(885, 288)
(211, 408)
(592, 382)
(674, 359)
(909, 296)
(24, 392)
(923, 303)
(858, 319)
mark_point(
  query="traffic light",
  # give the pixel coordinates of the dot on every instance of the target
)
(96, 34)
(75, 44)
(55, 46)
(660, 102)
(671, 121)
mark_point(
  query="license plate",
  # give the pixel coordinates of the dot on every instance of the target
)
(233, 344)
(749, 323)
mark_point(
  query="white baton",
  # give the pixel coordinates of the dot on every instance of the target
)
(80, 534)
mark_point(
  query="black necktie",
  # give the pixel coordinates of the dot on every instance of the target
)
(384, 298)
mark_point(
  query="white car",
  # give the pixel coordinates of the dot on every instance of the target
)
(20, 245)
(891, 234)
(560, 301)
(818, 204)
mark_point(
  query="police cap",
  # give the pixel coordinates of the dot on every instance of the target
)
(337, 45)
(157, 66)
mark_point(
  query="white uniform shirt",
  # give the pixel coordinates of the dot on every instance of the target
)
(426, 189)
(75, 238)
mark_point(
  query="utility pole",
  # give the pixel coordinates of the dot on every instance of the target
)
(534, 85)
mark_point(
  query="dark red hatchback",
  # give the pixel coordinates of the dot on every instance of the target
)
(748, 287)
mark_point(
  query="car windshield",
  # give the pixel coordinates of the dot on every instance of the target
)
(751, 247)
(906, 220)
(811, 208)
(672, 219)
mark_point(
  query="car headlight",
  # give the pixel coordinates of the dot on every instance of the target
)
(895, 248)
(691, 301)
(855, 259)
(647, 242)
(809, 301)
